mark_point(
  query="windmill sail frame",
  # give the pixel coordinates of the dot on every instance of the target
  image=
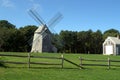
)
(42, 36)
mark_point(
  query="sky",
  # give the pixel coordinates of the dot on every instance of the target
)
(78, 15)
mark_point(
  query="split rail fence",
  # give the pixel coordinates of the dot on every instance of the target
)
(83, 62)
(95, 62)
(29, 62)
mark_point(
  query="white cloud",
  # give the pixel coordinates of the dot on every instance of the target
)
(7, 3)
(34, 5)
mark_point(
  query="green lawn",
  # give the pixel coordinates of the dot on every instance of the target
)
(69, 72)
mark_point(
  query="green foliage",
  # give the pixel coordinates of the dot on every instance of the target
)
(15, 40)
(110, 32)
(68, 40)
(28, 32)
(6, 24)
(82, 42)
(20, 40)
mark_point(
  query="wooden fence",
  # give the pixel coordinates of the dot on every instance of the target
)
(92, 62)
(29, 62)
(83, 62)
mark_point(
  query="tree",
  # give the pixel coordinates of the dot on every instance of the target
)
(57, 42)
(96, 42)
(69, 41)
(110, 32)
(28, 33)
(6, 30)
(74, 42)
(12, 39)
(1, 38)
(81, 39)
(65, 40)
(6, 24)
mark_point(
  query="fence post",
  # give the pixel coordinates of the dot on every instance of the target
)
(80, 61)
(62, 57)
(28, 60)
(108, 63)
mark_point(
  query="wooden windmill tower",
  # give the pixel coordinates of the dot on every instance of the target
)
(42, 36)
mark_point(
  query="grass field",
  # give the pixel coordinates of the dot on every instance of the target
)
(69, 72)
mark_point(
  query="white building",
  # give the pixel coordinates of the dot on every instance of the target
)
(111, 46)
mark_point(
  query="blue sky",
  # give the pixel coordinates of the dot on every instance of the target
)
(78, 15)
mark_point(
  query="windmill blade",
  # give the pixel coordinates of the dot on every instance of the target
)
(35, 41)
(36, 16)
(30, 41)
(57, 18)
(39, 17)
(43, 33)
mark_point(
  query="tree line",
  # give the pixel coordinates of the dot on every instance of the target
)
(13, 39)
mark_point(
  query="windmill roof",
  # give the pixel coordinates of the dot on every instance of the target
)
(114, 39)
(41, 28)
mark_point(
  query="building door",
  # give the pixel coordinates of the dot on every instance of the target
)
(109, 49)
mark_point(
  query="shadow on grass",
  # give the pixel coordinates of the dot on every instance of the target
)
(2, 65)
(40, 67)
(51, 68)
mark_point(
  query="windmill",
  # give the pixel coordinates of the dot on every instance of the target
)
(42, 36)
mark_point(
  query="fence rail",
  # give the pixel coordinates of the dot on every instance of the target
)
(83, 62)
(12, 62)
(95, 60)
(11, 55)
(92, 62)
(29, 62)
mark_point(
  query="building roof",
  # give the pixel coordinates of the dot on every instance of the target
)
(116, 40)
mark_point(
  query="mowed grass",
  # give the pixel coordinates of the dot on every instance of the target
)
(69, 72)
